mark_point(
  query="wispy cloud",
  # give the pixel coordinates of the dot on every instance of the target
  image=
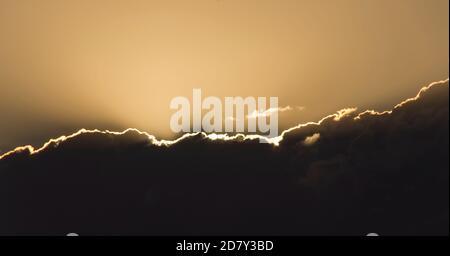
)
(311, 139)
(270, 111)
(343, 113)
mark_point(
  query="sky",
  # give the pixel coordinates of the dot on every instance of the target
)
(66, 65)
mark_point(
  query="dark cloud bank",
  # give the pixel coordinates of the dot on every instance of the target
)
(387, 174)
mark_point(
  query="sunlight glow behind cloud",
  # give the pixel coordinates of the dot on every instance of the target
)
(212, 136)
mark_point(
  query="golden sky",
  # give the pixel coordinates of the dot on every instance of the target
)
(115, 64)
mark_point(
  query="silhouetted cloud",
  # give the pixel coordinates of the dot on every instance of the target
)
(349, 173)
